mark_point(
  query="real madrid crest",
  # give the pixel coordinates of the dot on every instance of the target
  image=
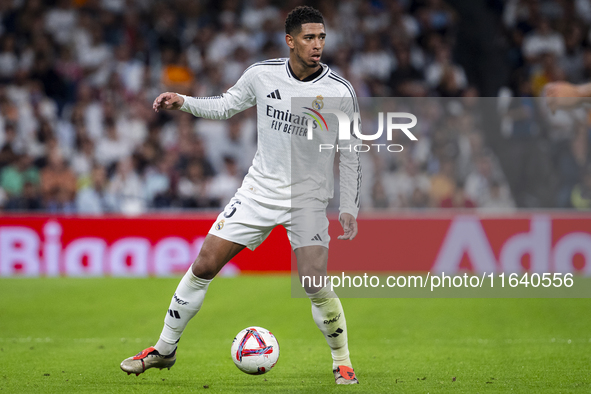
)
(318, 104)
(220, 225)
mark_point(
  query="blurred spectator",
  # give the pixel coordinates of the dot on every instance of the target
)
(224, 185)
(83, 160)
(43, 140)
(545, 71)
(257, 12)
(586, 67)
(129, 70)
(158, 178)
(112, 148)
(69, 70)
(470, 146)
(14, 176)
(94, 56)
(234, 139)
(543, 40)
(193, 150)
(419, 199)
(192, 188)
(9, 62)
(403, 183)
(521, 119)
(374, 61)
(404, 74)
(443, 183)
(401, 19)
(60, 21)
(29, 200)
(58, 182)
(131, 125)
(94, 197)
(234, 67)
(459, 199)
(88, 111)
(127, 189)
(379, 196)
(8, 152)
(443, 70)
(480, 181)
(581, 194)
(571, 159)
(60, 201)
(176, 74)
(436, 15)
(227, 40)
(499, 197)
(53, 86)
(572, 61)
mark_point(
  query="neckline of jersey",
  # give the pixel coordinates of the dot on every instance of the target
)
(309, 78)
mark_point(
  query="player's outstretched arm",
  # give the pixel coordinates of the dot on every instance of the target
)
(238, 98)
(349, 224)
(562, 95)
(169, 101)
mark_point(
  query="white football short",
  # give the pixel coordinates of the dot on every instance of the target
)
(249, 222)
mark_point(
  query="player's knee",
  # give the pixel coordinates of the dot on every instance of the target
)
(312, 274)
(205, 266)
(313, 281)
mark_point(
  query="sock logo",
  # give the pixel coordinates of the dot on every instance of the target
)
(334, 319)
(336, 333)
(178, 300)
(174, 314)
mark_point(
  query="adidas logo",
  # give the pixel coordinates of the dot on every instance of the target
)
(174, 314)
(275, 95)
(316, 238)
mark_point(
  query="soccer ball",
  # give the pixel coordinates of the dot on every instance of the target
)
(255, 350)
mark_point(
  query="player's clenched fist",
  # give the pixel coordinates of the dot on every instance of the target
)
(562, 95)
(349, 226)
(169, 101)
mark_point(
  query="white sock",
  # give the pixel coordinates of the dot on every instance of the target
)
(185, 304)
(328, 315)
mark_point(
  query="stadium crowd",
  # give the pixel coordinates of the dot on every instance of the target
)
(77, 78)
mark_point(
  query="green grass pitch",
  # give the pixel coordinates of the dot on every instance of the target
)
(69, 335)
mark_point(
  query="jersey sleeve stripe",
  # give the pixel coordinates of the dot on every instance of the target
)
(272, 62)
(342, 80)
(358, 180)
(333, 76)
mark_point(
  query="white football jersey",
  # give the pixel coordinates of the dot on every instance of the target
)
(287, 167)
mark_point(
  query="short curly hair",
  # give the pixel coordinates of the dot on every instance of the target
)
(300, 15)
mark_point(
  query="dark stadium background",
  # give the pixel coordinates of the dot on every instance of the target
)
(82, 154)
